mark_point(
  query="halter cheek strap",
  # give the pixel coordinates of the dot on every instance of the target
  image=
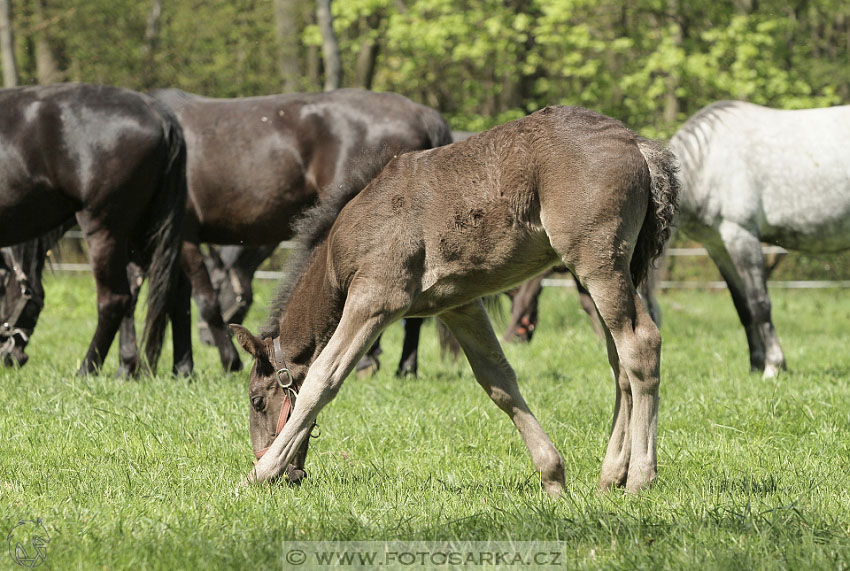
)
(285, 381)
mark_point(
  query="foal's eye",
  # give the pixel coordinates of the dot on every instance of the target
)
(259, 403)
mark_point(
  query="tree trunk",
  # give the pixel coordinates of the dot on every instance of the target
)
(312, 59)
(671, 100)
(149, 78)
(368, 55)
(47, 57)
(288, 62)
(7, 45)
(330, 47)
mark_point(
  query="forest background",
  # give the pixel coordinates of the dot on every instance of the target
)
(649, 63)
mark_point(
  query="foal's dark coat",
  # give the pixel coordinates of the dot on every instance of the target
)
(255, 164)
(438, 229)
(116, 160)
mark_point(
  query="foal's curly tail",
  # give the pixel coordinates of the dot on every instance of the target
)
(662, 209)
(163, 241)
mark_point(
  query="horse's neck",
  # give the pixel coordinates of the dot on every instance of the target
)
(312, 312)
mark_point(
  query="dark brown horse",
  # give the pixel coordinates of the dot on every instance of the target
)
(116, 160)
(255, 164)
(20, 304)
(438, 229)
(524, 306)
(232, 270)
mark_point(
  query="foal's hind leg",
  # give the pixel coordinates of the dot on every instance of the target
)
(635, 359)
(615, 466)
(474, 332)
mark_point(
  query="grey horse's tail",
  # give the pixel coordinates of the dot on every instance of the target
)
(663, 205)
(164, 238)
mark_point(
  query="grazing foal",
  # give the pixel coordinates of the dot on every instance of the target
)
(438, 229)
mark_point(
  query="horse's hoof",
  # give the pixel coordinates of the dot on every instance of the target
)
(233, 366)
(18, 359)
(183, 371)
(125, 373)
(771, 370)
(367, 367)
(85, 371)
(403, 372)
(205, 334)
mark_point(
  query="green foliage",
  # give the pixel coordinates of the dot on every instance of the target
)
(651, 63)
(753, 473)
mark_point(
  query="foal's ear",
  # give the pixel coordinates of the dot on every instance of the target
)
(251, 344)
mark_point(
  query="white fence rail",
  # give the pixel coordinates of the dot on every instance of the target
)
(564, 282)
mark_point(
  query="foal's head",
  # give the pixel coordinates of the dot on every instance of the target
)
(273, 383)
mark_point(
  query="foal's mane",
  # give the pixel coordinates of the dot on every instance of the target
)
(311, 229)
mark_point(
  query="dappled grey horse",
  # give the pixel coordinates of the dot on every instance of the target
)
(750, 174)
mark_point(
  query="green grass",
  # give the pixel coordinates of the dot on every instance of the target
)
(753, 473)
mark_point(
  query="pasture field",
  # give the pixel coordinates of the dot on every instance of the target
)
(753, 473)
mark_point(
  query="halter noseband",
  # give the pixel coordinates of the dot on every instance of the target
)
(285, 382)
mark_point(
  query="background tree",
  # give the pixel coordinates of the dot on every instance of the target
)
(152, 34)
(650, 63)
(288, 25)
(330, 47)
(7, 46)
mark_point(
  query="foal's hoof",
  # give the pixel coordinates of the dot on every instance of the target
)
(611, 478)
(640, 479)
(553, 489)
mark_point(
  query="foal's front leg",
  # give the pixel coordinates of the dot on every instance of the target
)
(356, 331)
(474, 332)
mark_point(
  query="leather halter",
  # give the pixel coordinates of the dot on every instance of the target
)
(9, 329)
(284, 381)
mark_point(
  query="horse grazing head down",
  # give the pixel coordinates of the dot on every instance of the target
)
(20, 306)
(272, 391)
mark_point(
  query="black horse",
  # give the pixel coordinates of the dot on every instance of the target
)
(116, 160)
(255, 164)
